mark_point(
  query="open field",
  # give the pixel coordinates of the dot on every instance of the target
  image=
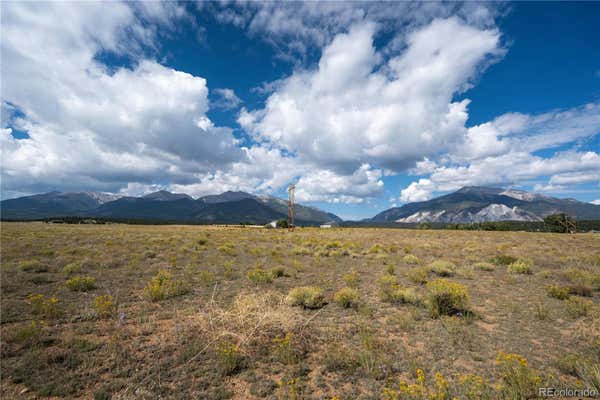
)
(146, 312)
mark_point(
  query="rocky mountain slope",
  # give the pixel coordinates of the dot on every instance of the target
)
(481, 204)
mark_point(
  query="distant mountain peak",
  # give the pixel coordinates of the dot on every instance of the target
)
(165, 195)
(481, 204)
(227, 196)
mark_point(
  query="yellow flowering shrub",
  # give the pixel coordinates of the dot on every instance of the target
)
(519, 380)
(163, 286)
(104, 306)
(44, 306)
(446, 297)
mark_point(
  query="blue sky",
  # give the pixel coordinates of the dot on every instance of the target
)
(364, 105)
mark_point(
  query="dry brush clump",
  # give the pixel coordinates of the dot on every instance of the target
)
(81, 283)
(306, 296)
(254, 323)
(347, 297)
(163, 286)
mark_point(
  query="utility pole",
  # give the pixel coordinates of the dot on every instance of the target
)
(291, 211)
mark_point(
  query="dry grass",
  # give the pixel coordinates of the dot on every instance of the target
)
(220, 323)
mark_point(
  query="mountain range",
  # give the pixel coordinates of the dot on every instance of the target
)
(481, 204)
(467, 205)
(225, 208)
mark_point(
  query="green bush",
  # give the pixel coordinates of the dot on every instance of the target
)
(33, 265)
(558, 292)
(44, 306)
(503, 260)
(347, 297)
(207, 277)
(579, 307)
(391, 292)
(81, 283)
(519, 381)
(411, 259)
(163, 286)
(259, 276)
(352, 279)
(418, 275)
(520, 266)
(72, 268)
(229, 358)
(446, 298)
(104, 306)
(277, 272)
(442, 268)
(306, 296)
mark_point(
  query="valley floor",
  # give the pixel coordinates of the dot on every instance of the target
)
(146, 312)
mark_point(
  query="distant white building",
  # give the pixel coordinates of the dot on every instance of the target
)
(272, 224)
(325, 226)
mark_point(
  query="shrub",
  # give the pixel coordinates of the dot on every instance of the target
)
(347, 297)
(259, 275)
(474, 387)
(284, 349)
(388, 286)
(33, 265)
(520, 266)
(207, 277)
(72, 268)
(503, 260)
(519, 381)
(306, 296)
(227, 248)
(558, 292)
(376, 248)
(484, 266)
(446, 298)
(422, 389)
(411, 259)
(391, 292)
(44, 306)
(541, 311)
(104, 306)
(282, 223)
(442, 268)
(582, 277)
(163, 286)
(389, 269)
(352, 279)
(229, 358)
(277, 272)
(81, 283)
(418, 275)
(578, 307)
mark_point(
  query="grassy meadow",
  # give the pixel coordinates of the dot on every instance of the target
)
(178, 312)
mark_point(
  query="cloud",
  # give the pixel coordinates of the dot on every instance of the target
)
(295, 29)
(417, 191)
(596, 202)
(96, 127)
(326, 185)
(356, 108)
(227, 99)
(507, 170)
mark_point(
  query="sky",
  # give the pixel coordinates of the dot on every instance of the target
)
(364, 106)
